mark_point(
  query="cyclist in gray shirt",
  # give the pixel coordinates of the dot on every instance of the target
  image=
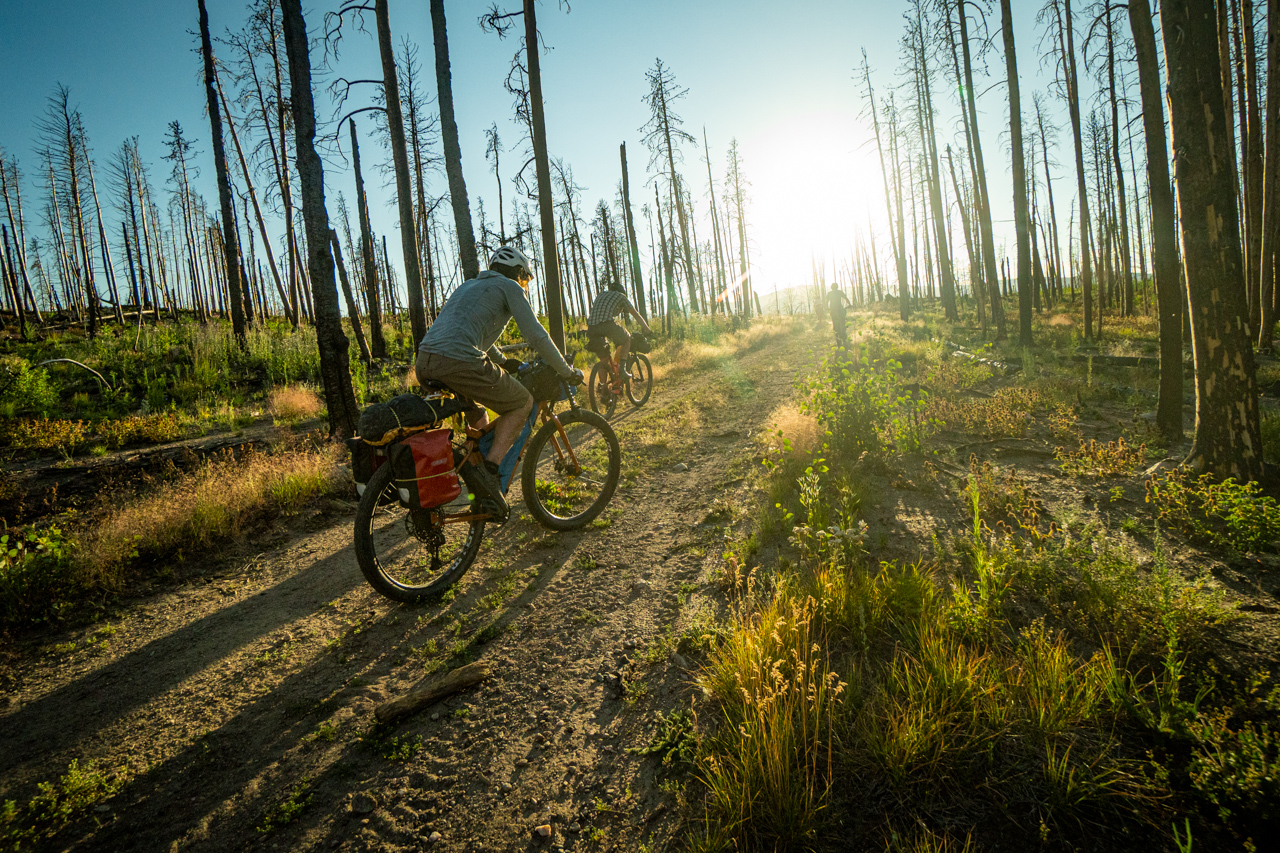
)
(459, 351)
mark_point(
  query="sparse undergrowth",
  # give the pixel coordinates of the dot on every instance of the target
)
(1037, 683)
(48, 573)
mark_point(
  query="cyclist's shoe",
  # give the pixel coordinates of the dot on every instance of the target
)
(486, 482)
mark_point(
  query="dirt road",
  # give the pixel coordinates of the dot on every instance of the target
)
(234, 710)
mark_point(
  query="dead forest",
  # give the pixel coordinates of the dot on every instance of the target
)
(995, 569)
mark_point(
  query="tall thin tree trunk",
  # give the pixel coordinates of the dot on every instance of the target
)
(1270, 182)
(230, 239)
(1228, 439)
(980, 181)
(550, 266)
(400, 159)
(452, 150)
(334, 366)
(378, 347)
(1021, 216)
(633, 249)
(1067, 51)
(352, 313)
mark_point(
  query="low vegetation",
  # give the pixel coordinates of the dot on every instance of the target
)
(50, 572)
(1034, 680)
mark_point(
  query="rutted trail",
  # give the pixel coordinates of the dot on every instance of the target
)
(244, 698)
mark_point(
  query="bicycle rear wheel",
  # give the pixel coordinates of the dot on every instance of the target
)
(409, 556)
(571, 470)
(640, 386)
(600, 394)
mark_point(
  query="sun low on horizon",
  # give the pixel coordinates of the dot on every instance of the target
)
(815, 187)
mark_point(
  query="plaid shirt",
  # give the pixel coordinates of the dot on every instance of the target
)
(609, 304)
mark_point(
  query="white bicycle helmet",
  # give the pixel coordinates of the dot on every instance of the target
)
(510, 256)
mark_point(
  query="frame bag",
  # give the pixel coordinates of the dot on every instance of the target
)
(423, 468)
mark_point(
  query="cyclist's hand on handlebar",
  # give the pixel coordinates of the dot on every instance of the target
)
(576, 378)
(511, 365)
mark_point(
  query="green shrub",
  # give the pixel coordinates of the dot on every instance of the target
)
(45, 434)
(56, 805)
(27, 390)
(37, 581)
(1227, 514)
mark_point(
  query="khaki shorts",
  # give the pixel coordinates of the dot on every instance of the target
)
(481, 381)
(612, 330)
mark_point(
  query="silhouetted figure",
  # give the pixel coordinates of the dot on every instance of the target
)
(836, 302)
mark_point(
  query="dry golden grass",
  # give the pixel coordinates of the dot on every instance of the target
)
(294, 403)
(675, 358)
(218, 500)
(793, 431)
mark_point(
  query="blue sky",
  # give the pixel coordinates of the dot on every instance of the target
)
(777, 77)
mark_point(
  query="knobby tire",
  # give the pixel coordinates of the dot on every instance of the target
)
(399, 573)
(569, 500)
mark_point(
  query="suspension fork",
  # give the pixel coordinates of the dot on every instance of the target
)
(560, 440)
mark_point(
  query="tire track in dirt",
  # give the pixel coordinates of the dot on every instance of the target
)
(224, 698)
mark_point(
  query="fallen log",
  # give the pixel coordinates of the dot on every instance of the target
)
(457, 679)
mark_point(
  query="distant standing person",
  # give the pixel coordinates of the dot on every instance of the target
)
(837, 301)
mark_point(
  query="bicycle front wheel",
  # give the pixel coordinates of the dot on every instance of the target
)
(408, 556)
(640, 386)
(571, 470)
(600, 394)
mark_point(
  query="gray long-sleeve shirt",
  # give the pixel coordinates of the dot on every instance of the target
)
(476, 313)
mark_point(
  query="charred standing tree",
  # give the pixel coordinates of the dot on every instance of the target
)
(663, 134)
(230, 239)
(736, 184)
(253, 197)
(404, 190)
(352, 311)
(334, 366)
(1253, 166)
(1021, 216)
(721, 283)
(1270, 180)
(1228, 439)
(452, 150)
(1062, 33)
(542, 164)
(1164, 238)
(929, 141)
(378, 344)
(633, 249)
(898, 253)
(987, 238)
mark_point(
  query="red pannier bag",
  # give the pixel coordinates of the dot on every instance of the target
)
(424, 469)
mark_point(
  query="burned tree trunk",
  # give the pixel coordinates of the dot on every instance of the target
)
(1164, 239)
(378, 348)
(1228, 439)
(542, 166)
(230, 239)
(980, 181)
(1021, 217)
(352, 311)
(452, 150)
(633, 250)
(1270, 180)
(400, 159)
(334, 366)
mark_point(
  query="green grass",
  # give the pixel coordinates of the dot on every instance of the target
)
(287, 810)
(55, 805)
(1037, 668)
